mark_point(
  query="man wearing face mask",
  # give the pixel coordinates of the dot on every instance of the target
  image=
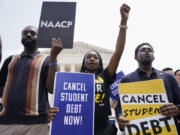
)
(25, 82)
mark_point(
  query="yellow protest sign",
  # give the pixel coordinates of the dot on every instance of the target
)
(140, 102)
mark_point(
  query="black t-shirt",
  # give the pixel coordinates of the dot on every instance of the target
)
(102, 105)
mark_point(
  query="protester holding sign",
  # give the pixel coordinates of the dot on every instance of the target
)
(144, 54)
(25, 82)
(92, 63)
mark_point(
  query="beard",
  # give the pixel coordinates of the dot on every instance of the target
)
(29, 44)
(146, 62)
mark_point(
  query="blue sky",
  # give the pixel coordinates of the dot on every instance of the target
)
(156, 22)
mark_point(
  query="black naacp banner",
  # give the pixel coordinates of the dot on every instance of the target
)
(57, 21)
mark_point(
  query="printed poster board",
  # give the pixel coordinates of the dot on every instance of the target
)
(114, 91)
(140, 102)
(74, 95)
(57, 21)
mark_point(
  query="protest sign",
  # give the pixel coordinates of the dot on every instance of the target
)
(57, 21)
(140, 102)
(74, 95)
(114, 91)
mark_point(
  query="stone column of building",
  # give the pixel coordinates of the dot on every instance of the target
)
(62, 68)
(73, 68)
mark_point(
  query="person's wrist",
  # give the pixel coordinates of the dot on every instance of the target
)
(52, 64)
(123, 26)
(52, 61)
(53, 56)
(123, 22)
(178, 106)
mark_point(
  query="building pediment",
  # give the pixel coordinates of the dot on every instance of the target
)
(82, 48)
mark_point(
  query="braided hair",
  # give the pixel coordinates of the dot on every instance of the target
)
(100, 66)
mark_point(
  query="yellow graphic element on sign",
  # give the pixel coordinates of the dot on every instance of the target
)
(140, 103)
(142, 87)
(134, 112)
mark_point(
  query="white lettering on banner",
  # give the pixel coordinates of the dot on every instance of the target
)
(73, 108)
(115, 92)
(115, 84)
(57, 24)
(73, 120)
(74, 86)
(74, 97)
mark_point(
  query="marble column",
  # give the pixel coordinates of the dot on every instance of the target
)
(72, 67)
(62, 68)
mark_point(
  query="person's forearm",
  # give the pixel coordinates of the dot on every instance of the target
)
(118, 110)
(51, 74)
(114, 62)
(57, 47)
